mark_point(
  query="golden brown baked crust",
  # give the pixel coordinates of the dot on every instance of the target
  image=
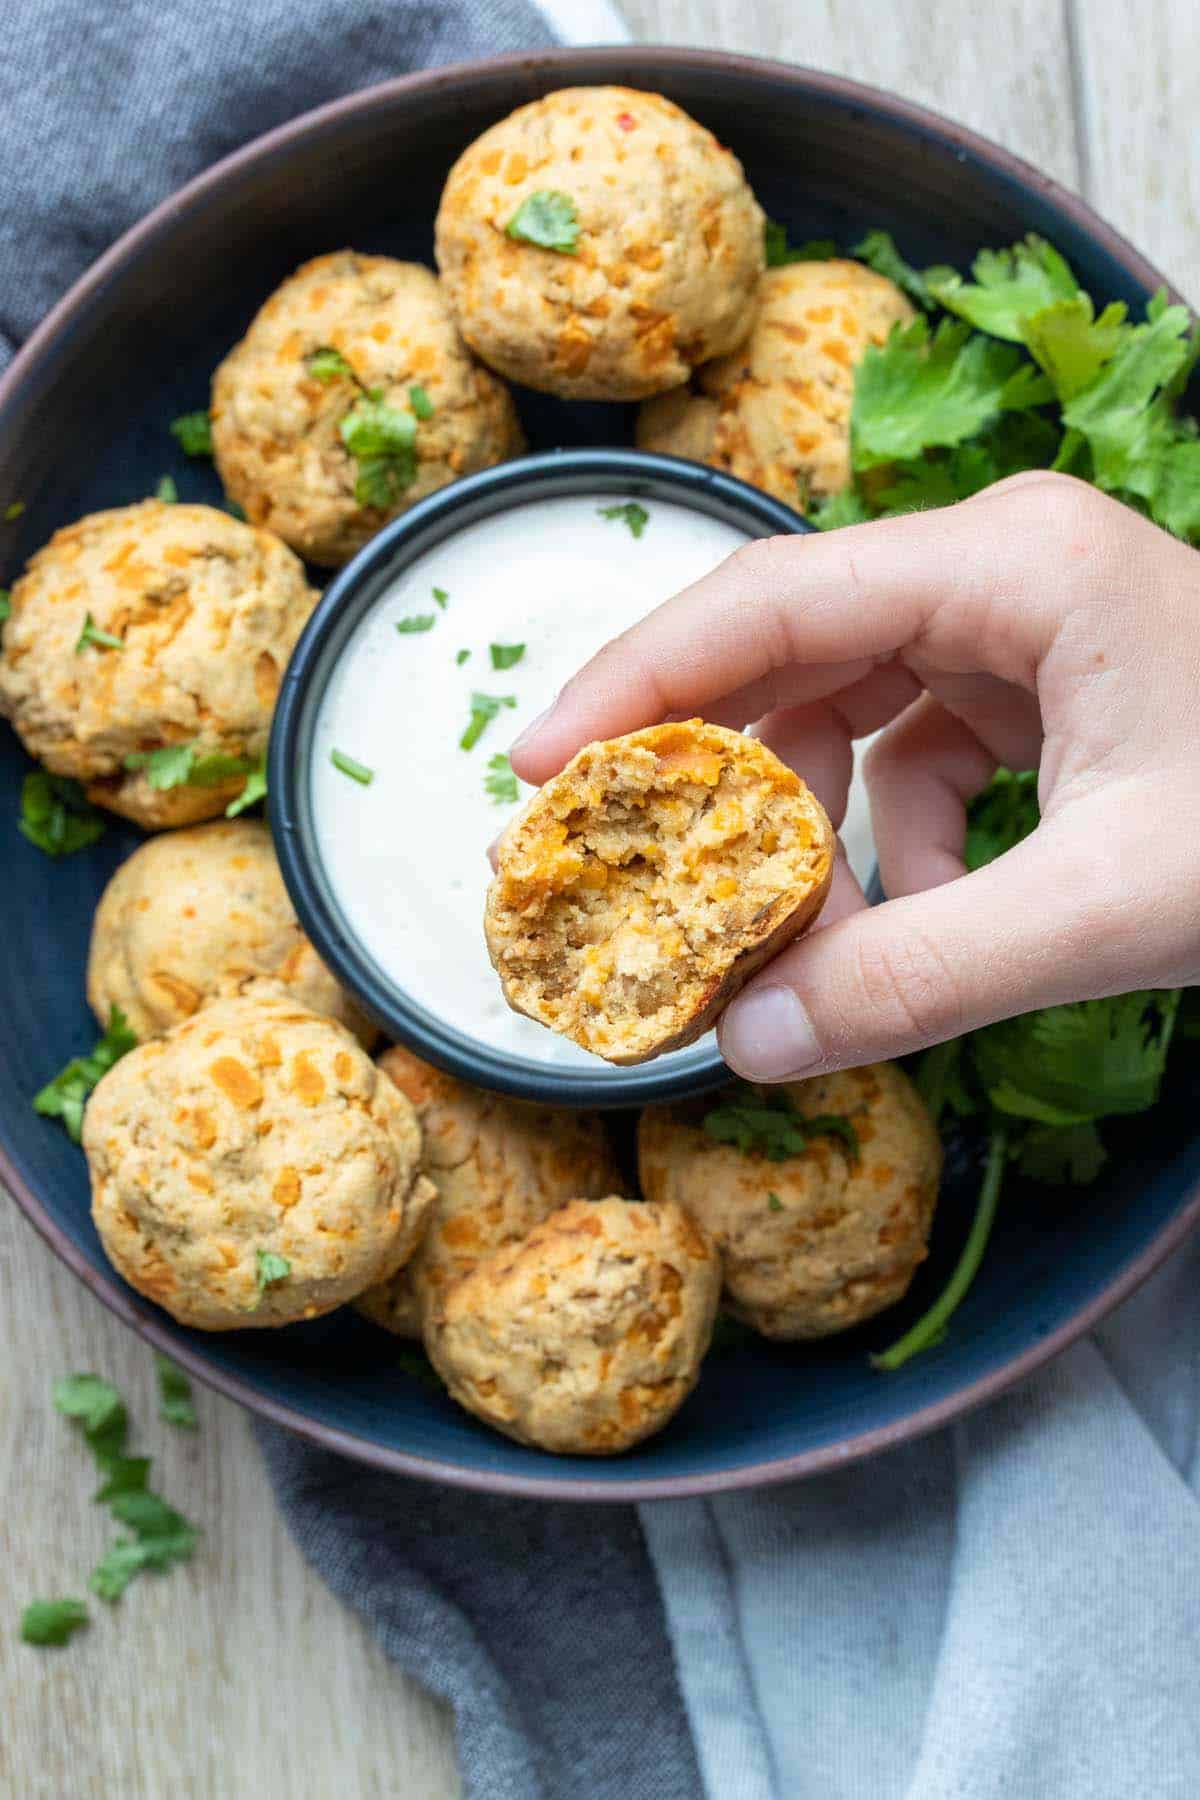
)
(585, 1337)
(642, 886)
(202, 912)
(253, 1126)
(669, 255)
(276, 435)
(208, 610)
(776, 412)
(500, 1167)
(821, 1241)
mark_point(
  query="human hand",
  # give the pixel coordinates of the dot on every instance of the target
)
(1037, 625)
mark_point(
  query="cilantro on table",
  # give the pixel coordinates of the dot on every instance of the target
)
(181, 765)
(57, 815)
(166, 490)
(484, 708)
(92, 634)
(347, 765)
(269, 1268)
(779, 252)
(500, 784)
(506, 656)
(52, 1621)
(1014, 366)
(66, 1096)
(1039, 1084)
(548, 219)
(630, 514)
(193, 433)
(763, 1122)
(175, 1404)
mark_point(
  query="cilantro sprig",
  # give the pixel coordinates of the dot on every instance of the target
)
(764, 1122)
(66, 1096)
(1039, 1084)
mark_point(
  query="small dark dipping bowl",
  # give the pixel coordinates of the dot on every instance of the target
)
(346, 602)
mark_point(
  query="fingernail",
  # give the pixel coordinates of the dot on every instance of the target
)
(532, 729)
(766, 1035)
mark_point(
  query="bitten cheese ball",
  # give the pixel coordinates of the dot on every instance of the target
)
(343, 332)
(642, 886)
(659, 265)
(776, 412)
(198, 913)
(587, 1336)
(205, 611)
(500, 1167)
(815, 1242)
(253, 1167)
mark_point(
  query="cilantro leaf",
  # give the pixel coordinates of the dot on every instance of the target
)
(346, 765)
(500, 783)
(52, 1621)
(193, 433)
(484, 708)
(764, 1122)
(175, 1403)
(846, 508)
(168, 767)
(418, 399)
(56, 814)
(123, 1475)
(630, 513)
(91, 634)
(441, 596)
(1009, 286)
(506, 656)
(1004, 813)
(879, 252)
(166, 490)
(66, 1096)
(1062, 1154)
(165, 1534)
(327, 364)
(1071, 344)
(779, 252)
(914, 391)
(416, 622)
(268, 1269)
(1069, 1065)
(547, 218)
(382, 441)
(255, 788)
(460, 657)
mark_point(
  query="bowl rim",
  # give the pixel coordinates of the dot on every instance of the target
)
(621, 64)
(351, 597)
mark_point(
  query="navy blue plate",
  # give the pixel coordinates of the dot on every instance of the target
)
(83, 424)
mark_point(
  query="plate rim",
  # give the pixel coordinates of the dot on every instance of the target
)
(623, 64)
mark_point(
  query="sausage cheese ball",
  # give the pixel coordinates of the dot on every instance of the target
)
(499, 1166)
(148, 628)
(599, 244)
(777, 411)
(253, 1167)
(817, 1241)
(588, 1335)
(351, 397)
(642, 886)
(197, 913)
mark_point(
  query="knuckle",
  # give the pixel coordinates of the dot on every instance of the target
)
(1062, 502)
(909, 987)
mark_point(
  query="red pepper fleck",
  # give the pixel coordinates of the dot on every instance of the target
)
(626, 121)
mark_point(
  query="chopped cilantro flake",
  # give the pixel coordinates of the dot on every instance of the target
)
(774, 1202)
(500, 783)
(174, 1395)
(52, 1621)
(56, 814)
(420, 402)
(484, 708)
(549, 219)
(193, 433)
(346, 765)
(328, 364)
(166, 490)
(630, 513)
(91, 634)
(441, 596)
(268, 1269)
(506, 656)
(66, 1096)
(416, 622)
(461, 657)
(13, 510)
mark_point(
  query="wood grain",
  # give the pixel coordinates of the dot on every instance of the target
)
(241, 1675)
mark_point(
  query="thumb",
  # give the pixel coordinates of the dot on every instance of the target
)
(1027, 931)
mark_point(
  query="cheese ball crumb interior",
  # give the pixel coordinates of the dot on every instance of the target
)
(664, 272)
(277, 435)
(776, 413)
(197, 913)
(644, 884)
(253, 1130)
(817, 1242)
(500, 1167)
(207, 611)
(588, 1335)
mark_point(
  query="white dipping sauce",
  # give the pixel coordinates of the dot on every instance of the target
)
(406, 856)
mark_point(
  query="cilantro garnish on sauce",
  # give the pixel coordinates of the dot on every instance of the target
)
(484, 708)
(630, 513)
(500, 784)
(66, 1096)
(346, 765)
(547, 218)
(193, 433)
(416, 622)
(57, 815)
(506, 656)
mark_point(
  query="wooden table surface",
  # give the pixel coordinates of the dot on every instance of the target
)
(240, 1675)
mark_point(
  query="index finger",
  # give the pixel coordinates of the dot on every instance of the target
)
(779, 606)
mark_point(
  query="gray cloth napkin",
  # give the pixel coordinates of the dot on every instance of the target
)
(1011, 1608)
